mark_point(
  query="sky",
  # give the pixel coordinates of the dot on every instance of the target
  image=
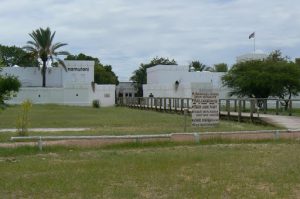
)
(126, 33)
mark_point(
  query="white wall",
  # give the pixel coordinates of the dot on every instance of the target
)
(41, 95)
(77, 74)
(32, 76)
(72, 86)
(105, 94)
(251, 56)
(169, 90)
(161, 81)
(165, 74)
(67, 96)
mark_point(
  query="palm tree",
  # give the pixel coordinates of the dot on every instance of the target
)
(197, 66)
(42, 47)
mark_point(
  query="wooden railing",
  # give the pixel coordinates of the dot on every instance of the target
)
(237, 105)
(259, 105)
(157, 103)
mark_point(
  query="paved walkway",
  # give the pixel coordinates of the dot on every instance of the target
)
(47, 129)
(289, 122)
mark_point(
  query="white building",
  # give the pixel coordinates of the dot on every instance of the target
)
(73, 86)
(126, 89)
(251, 56)
(177, 81)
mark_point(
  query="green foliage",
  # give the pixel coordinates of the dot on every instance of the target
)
(96, 104)
(42, 47)
(12, 55)
(221, 67)
(8, 86)
(275, 76)
(23, 118)
(249, 79)
(1, 63)
(140, 75)
(297, 61)
(276, 56)
(103, 74)
(198, 66)
(83, 57)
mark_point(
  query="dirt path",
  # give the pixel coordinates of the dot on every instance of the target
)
(289, 122)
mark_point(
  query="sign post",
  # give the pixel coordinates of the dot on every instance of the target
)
(205, 108)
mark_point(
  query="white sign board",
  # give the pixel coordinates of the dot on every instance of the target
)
(205, 109)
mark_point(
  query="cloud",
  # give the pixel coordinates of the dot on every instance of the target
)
(126, 33)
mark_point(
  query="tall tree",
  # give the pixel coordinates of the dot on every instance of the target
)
(249, 79)
(103, 74)
(12, 55)
(42, 47)
(286, 81)
(276, 55)
(261, 79)
(140, 75)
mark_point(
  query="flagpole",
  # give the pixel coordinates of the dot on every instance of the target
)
(254, 45)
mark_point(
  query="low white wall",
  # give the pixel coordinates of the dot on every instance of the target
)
(169, 74)
(105, 94)
(39, 95)
(32, 76)
(182, 91)
(67, 96)
(161, 81)
(76, 74)
(72, 86)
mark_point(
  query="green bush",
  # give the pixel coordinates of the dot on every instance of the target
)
(8, 86)
(96, 104)
(23, 118)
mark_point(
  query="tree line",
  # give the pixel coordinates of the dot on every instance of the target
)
(275, 76)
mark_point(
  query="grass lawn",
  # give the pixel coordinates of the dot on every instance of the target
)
(109, 121)
(155, 170)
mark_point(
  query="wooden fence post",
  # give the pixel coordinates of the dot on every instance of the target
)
(160, 104)
(277, 107)
(252, 106)
(240, 111)
(265, 106)
(235, 106)
(290, 108)
(220, 103)
(228, 107)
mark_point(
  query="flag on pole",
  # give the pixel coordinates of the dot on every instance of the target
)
(252, 35)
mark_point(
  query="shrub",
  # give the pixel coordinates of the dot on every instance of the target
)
(8, 86)
(96, 103)
(23, 118)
